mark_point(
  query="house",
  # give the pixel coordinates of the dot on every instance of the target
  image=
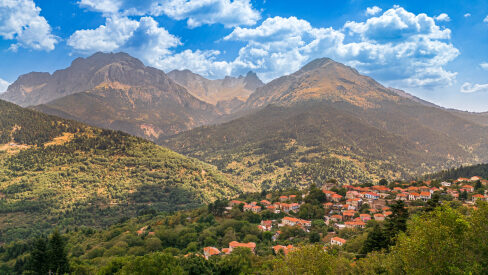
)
(328, 193)
(355, 202)
(235, 244)
(265, 202)
(232, 203)
(413, 196)
(387, 213)
(371, 196)
(295, 207)
(365, 217)
(210, 251)
(401, 197)
(355, 224)
(292, 197)
(284, 249)
(352, 194)
(336, 197)
(477, 197)
(425, 196)
(290, 221)
(256, 209)
(266, 225)
(379, 217)
(247, 207)
(468, 188)
(434, 189)
(226, 250)
(283, 198)
(462, 180)
(445, 184)
(273, 209)
(337, 241)
(474, 179)
(348, 215)
(286, 207)
(336, 218)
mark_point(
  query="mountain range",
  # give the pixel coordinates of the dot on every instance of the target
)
(324, 121)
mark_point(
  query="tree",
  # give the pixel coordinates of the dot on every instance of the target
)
(436, 243)
(217, 207)
(375, 241)
(396, 222)
(57, 256)
(315, 195)
(314, 237)
(383, 182)
(39, 260)
(464, 195)
(433, 203)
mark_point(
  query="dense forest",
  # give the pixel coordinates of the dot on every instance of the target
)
(73, 174)
(480, 170)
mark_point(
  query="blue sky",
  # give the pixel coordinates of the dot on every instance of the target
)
(437, 50)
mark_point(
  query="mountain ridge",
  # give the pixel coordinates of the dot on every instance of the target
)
(281, 124)
(55, 171)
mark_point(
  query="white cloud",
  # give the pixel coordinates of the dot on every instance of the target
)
(143, 38)
(467, 15)
(201, 62)
(397, 47)
(443, 17)
(401, 48)
(473, 88)
(3, 85)
(196, 12)
(373, 10)
(486, 19)
(199, 12)
(20, 20)
(280, 46)
(484, 65)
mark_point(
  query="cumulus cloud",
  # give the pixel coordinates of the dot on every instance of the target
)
(201, 62)
(3, 85)
(143, 38)
(443, 17)
(473, 88)
(281, 45)
(402, 48)
(396, 47)
(466, 15)
(486, 19)
(196, 12)
(484, 65)
(20, 20)
(373, 10)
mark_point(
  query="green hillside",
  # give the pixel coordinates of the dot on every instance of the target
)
(283, 147)
(55, 172)
(479, 170)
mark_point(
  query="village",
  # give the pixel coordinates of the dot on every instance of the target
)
(351, 210)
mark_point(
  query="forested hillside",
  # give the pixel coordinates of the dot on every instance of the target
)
(55, 172)
(480, 170)
(328, 121)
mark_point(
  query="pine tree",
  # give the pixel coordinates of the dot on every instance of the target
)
(57, 256)
(39, 260)
(375, 241)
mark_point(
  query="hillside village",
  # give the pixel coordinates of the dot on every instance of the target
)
(351, 207)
